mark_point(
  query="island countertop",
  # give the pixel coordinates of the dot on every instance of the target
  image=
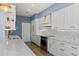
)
(15, 47)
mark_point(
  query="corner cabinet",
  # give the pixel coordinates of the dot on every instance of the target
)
(10, 19)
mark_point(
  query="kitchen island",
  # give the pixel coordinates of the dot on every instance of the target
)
(15, 47)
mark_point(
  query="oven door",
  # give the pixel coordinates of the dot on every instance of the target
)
(44, 43)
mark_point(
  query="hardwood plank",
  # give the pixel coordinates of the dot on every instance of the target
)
(36, 49)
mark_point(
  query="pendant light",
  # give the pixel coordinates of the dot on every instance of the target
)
(5, 6)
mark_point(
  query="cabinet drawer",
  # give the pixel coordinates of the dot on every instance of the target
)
(57, 52)
(76, 41)
(65, 50)
(74, 53)
(62, 39)
(72, 46)
(70, 49)
(62, 47)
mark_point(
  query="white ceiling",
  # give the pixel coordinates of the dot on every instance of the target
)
(29, 9)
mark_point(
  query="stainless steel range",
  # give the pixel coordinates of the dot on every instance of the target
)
(44, 42)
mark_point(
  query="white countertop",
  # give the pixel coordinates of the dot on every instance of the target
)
(15, 47)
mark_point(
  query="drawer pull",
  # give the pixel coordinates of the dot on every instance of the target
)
(73, 54)
(74, 47)
(62, 49)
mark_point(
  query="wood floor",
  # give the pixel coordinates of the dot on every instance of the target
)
(36, 49)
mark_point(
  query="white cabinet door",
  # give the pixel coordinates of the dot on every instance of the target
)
(58, 19)
(76, 16)
(33, 39)
(33, 27)
(36, 27)
(36, 39)
(40, 20)
(55, 20)
(39, 26)
(56, 48)
(66, 18)
(72, 16)
(69, 18)
(49, 47)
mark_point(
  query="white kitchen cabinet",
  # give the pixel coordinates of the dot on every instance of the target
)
(56, 52)
(66, 18)
(69, 18)
(36, 27)
(40, 20)
(36, 39)
(40, 25)
(33, 27)
(58, 18)
(76, 16)
(36, 31)
(55, 21)
(49, 45)
(60, 48)
(55, 49)
(72, 50)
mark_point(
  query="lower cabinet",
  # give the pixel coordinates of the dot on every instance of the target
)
(59, 48)
(36, 39)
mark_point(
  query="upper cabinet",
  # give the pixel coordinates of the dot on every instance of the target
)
(76, 16)
(58, 19)
(72, 17)
(36, 26)
(33, 27)
(10, 18)
(66, 18)
(40, 23)
(69, 18)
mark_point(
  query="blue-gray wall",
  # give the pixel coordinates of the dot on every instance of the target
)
(19, 21)
(53, 8)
